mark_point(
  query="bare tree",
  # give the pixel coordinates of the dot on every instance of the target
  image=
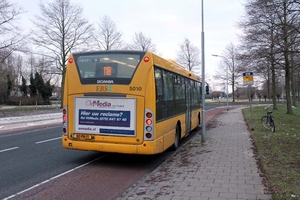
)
(59, 29)
(107, 36)
(9, 70)
(19, 69)
(11, 40)
(142, 43)
(230, 68)
(188, 56)
(288, 14)
(271, 32)
(40, 64)
(259, 43)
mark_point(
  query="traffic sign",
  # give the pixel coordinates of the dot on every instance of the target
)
(248, 78)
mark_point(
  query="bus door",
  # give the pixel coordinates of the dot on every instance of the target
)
(188, 107)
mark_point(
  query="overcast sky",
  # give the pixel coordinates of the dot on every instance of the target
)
(166, 22)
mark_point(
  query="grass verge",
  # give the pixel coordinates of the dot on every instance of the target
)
(278, 153)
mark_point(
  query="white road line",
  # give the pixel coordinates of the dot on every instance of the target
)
(55, 177)
(8, 149)
(43, 141)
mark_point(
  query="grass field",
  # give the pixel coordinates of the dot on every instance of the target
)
(278, 153)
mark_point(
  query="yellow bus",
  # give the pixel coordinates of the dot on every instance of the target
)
(132, 102)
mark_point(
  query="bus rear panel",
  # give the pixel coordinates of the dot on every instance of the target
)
(110, 103)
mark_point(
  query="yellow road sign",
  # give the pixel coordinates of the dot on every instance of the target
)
(248, 78)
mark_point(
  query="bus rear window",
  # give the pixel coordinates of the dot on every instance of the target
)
(104, 67)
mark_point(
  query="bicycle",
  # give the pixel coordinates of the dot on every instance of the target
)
(268, 120)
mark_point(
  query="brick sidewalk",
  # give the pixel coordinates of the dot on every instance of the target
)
(222, 168)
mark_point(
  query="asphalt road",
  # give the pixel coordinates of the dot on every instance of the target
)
(34, 165)
(34, 156)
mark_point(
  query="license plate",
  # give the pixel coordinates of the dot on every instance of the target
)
(83, 137)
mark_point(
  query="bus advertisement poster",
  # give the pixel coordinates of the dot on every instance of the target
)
(105, 116)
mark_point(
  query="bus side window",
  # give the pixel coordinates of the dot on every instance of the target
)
(158, 85)
(159, 94)
(195, 95)
(169, 93)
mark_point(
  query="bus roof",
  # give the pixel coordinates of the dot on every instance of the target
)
(176, 66)
(109, 51)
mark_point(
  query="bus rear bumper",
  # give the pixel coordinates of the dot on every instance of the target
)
(147, 147)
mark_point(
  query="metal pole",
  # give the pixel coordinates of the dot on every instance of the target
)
(227, 87)
(203, 78)
(250, 101)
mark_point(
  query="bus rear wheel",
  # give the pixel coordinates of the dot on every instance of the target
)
(177, 138)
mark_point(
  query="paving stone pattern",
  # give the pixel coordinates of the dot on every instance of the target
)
(222, 168)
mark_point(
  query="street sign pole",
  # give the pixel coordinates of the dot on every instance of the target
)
(203, 77)
(252, 125)
(248, 80)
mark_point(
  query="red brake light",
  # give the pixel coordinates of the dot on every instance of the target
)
(64, 115)
(65, 121)
(149, 115)
(149, 121)
(148, 135)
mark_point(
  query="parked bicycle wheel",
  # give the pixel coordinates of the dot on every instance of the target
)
(272, 126)
(265, 122)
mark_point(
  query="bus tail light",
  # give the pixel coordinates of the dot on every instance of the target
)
(65, 121)
(146, 59)
(148, 130)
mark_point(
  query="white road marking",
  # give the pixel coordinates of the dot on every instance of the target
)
(43, 141)
(55, 177)
(8, 149)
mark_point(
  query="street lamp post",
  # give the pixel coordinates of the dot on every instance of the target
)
(203, 77)
(226, 78)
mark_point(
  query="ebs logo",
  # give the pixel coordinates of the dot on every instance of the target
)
(104, 88)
